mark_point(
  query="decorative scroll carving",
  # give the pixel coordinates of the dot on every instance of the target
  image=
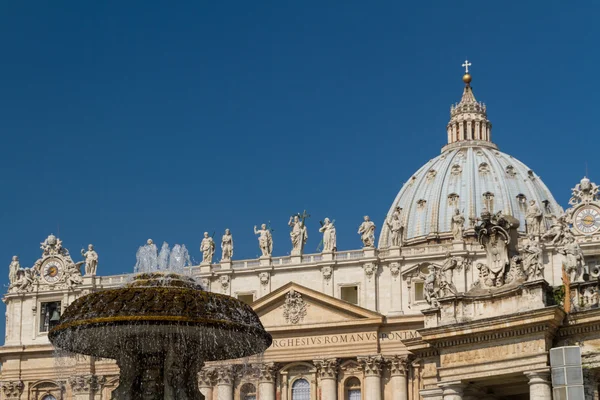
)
(207, 377)
(294, 307)
(370, 269)
(224, 375)
(12, 389)
(267, 372)
(398, 365)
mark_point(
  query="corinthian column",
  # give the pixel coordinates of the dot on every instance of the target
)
(225, 382)
(398, 372)
(206, 381)
(12, 389)
(267, 375)
(372, 369)
(327, 370)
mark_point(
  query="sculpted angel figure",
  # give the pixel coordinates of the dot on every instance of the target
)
(91, 260)
(265, 240)
(23, 281)
(533, 217)
(558, 230)
(458, 225)
(329, 236)
(299, 234)
(395, 225)
(430, 291)
(207, 247)
(227, 246)
(367, 232)
(13, 269)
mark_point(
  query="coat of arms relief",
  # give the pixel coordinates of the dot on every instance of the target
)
(294, 307)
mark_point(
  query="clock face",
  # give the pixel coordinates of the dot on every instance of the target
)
(587, 220)
(52, 271)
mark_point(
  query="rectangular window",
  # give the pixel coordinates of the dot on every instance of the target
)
(350, 294)
(246, 298)
(49, 315)
(419, 292)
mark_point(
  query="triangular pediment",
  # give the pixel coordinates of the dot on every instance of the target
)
(294, 305)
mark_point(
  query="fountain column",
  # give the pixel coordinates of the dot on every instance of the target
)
(398, 377)
(206, 379)
(225, 383)
(266, 381)
(328, 369)
(372, 368)
(84, 387)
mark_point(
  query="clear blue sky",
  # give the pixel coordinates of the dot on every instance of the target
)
(123, 121)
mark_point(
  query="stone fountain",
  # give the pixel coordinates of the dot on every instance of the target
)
(160, 328)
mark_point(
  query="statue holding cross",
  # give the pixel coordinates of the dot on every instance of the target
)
(299, 234)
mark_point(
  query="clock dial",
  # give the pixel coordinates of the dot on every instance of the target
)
(52, 271)
(587, 220)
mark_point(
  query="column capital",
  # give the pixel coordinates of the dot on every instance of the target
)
(327, 368)
(267, 372)
(371, 364)
(539, 376)
(398, 365)
(82, 384)
(452, 388)
(225, 375)
(206, 377)
(12, 389)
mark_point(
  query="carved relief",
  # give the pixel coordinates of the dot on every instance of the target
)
(484, 168)
(327, 368)
(456, 170)
(207, 377)
(395, 270)
(224, 279)
(510, 171)
(225, 375)
(264, 278)
(370, 269)
(294, 307)
(84, 384)
(431, 175)
(327, 271)
(398, 365)
(267, 372)
(584, 192)
(372, 365)
(12, 389)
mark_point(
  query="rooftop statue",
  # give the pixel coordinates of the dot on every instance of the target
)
(329, 236)
(13, 269)
(367, 232)
(227, 246)
(573, 263)
(532, 263)
(558, 230)
(533, 218)
(394, 223)
(207, 247)
(299, 234)
(91, 260)
(265, 240)
(458, 225)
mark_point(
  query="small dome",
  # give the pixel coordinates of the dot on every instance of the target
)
(468, 177)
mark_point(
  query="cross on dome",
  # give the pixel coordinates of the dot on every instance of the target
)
(466, 64)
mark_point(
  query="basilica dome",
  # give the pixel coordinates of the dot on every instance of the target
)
(469, 175)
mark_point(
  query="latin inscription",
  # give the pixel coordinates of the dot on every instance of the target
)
(489, 354)
(343, 338)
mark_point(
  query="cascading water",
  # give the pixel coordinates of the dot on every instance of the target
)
(160, 328)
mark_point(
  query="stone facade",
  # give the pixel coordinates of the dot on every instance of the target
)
(464, 312)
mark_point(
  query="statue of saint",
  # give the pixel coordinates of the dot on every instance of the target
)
(395, 225)
(299, 235)
(227, 246)
(13, 270)
(265, 240)
(24, 280)
(367, 232)
(573, 258)
(447, 275)
(531, 258)
(329, 236)
(91, 260)
(207, 247)
(458, 225)
(533, 218)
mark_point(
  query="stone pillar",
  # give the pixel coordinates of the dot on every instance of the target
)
(372, 368)
(84, 387)
(369, 292)
(327, 370)
(224, 379)
(206, 381)
(267, 376)
(540, 387)
(398, 377)
(12, 390)
(453, 390)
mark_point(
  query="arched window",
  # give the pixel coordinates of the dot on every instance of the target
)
(301, 390)
(353, 389)
(248, 392)
(48, 397)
